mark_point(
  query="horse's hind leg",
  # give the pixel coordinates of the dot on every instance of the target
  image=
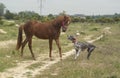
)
(23, 45)
(30, 47)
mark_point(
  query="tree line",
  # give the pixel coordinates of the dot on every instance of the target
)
(31, 15)
(97, 18)
(23, 15)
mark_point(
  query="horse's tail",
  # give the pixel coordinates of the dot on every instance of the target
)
(19, 39)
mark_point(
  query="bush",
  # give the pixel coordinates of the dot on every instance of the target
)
(1, 22)
(82, 33)
(8, 23)
(95, 29)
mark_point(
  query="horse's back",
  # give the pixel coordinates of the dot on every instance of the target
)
(40, 30)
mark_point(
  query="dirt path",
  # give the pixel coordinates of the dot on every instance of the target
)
(21, 70)
(5, 44)
(2, 31)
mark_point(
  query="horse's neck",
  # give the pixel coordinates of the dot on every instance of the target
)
(57, 31)
(56, 25)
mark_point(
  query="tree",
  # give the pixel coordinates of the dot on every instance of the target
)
(28, 15)
(9, 15)
(89, 19)
(116, 19)
(2, 7)
(50, 16)
(75, 19)
(63, 13)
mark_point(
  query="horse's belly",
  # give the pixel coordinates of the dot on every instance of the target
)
(42, 36)
(46, 34)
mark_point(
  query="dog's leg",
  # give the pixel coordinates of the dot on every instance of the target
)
(90, 51)
(77, 53)
(76, 50)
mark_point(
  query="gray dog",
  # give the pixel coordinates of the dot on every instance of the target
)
(81, 46)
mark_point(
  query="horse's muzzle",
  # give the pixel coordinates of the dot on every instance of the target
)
(63, 30)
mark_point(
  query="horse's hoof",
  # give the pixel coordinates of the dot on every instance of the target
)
(21, 56)
(60, 59)
(51, 59)
(34, 59)
(88, 59)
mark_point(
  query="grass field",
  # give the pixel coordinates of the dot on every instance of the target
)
(104, 61)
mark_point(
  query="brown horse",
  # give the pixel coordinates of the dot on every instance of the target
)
(47, 30)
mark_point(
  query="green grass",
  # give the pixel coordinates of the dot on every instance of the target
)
(36, 65)
(7, 58)
(104, 61)
(11, 30)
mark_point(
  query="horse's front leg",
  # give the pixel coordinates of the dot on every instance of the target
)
(59, 47)
(50, 48)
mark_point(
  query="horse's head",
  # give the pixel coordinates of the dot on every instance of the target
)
(65, 22)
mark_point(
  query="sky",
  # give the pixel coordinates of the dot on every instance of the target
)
(87, 7)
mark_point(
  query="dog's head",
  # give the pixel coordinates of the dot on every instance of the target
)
(71, 38)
